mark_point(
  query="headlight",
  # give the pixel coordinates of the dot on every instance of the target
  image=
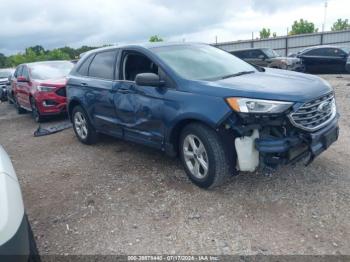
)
(45, 88)
(249, 105)
(287, 62)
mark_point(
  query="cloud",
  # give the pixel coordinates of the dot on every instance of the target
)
(272, 6)
(80, 22)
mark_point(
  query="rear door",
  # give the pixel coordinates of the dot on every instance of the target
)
(21, 88)
(26, 88)
(100, 90)
(14, 81)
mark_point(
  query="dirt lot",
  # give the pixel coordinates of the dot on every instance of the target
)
(120, 198)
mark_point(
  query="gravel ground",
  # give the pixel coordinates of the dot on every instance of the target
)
(120, 198)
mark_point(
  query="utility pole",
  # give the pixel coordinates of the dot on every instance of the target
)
(325, 15)
(216, 39)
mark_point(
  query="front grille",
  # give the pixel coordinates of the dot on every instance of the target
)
(61, 92)
(315, 114)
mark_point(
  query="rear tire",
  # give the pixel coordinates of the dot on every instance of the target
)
(203, 156)
(83, 129)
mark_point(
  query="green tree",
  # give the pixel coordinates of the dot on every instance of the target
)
(38, 53)
(303, 27)
(340, 24)
(38, 49)
(73, 53)
(274, 34)
(265, 33)
(155, 38)
(4, 62)
(57, 54)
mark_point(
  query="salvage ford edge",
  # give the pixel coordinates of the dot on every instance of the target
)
(218, 113)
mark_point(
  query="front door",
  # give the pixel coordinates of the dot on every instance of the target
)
(139, 107)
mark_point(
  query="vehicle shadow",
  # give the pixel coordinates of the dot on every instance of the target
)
(295, 179)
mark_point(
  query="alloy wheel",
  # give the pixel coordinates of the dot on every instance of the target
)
(80, 125)
(35, 111)
(195, 156)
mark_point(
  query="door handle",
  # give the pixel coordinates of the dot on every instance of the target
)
(123, 90)
(83, 84)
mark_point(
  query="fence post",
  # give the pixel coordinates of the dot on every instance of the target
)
(287, 45)
(321, 40)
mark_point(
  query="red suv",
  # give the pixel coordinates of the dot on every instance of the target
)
(40, 87)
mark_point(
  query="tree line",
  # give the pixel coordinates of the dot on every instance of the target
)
(304, 27)
(39, 53)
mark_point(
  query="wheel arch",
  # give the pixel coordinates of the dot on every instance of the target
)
(176, 129)
(73, 103)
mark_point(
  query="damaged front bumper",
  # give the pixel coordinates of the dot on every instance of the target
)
(303, 145)
(270, 141)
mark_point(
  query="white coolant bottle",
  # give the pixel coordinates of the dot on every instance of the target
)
(247, 155)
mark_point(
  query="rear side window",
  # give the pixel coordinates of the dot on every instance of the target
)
(84, 68)
(102, 66)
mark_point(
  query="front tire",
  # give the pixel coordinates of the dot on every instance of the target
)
(203, 156)
(19, 109)
(35, 111)
(83, 129)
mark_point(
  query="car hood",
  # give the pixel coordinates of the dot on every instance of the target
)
(273, 84)
(3, 79)
(52, 82)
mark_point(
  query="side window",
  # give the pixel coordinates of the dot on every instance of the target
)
(256, 53)
(334, 52)
(84, 67)
(135, 63)
(102, 66)
(18, 71)
(25, 72)
(240, 54)
(316, 52)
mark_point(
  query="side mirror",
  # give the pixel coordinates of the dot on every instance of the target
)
(22, 79)
(148, 79)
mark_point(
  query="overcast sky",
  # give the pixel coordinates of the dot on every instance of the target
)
(74, 23)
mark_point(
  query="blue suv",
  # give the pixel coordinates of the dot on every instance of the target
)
(218, 113)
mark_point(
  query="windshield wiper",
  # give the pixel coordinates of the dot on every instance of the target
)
(238, 74)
